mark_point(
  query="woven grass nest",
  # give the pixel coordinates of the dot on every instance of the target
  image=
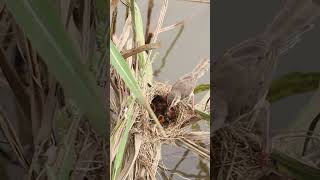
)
(236, 154)
(143, 150)
(238, 151)
(177, 131)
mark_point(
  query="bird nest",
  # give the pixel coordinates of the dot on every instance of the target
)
(237, 153)
(175, 119)
(146, 136)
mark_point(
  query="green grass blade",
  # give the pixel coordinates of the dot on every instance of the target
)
(46, 32)
(125, 73)
(138, 25)
(203, 115)
(147, 71)
(201, 88)
(123, 141)
(293, 83)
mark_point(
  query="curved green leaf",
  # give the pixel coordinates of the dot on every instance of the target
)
(203, 115)
(123, 141)
(138, 28)
(201, 88)
(293, 83)
(125, 73)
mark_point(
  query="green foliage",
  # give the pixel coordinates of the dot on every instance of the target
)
(46, 32)
(293, 83)
(119, 157)
(201, 88)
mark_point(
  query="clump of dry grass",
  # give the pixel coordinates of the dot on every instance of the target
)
(144, 147)
(237, 152)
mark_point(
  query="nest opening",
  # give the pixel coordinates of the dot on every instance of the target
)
(175, 118)
(174, 124)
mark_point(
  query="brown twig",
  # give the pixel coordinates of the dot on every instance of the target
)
(140, 49)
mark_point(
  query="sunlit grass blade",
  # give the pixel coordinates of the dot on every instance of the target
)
(138, 25)
(123, 141)
(145, 67)
(45, 30)
(201, 88)
(203, 115)
(125, 73)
